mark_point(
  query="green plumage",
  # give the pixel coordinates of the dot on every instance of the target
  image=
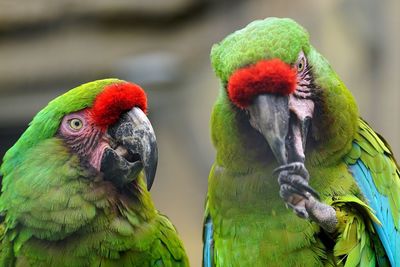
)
(268, 38)
(58, 212)
(252, 226)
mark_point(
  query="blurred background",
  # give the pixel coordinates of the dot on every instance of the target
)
(48, 47)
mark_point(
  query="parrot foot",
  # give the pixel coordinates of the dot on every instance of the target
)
(296, 177)
(301, 198)
(294, 167)
(323, 214)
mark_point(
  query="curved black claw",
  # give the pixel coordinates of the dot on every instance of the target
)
(300, 211)
(296, 175)
(296, 181)
(294, 168)
(302, 198)
(288, 190)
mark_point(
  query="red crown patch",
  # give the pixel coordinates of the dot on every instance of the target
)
(116, 99)
(267, 76)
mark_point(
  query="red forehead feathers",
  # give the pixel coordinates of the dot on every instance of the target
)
(267, 76)
(116, 99)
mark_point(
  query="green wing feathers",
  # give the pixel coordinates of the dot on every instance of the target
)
(354, 246)
(377, 156)
(375, 170)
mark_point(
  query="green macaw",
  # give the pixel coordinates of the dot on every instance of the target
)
(289, 138)
(74, 189)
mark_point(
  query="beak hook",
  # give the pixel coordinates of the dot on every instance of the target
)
(136, 135)
(269, 114)
(145, 143)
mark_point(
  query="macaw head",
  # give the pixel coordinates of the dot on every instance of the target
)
(270, 71)
(104, 123)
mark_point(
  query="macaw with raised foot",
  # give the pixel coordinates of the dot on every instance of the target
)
(289, 142)
(75, 185)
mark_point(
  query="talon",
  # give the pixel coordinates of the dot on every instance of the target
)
(294, 168)
(293, 180)
(309, 191)
(301, 212)
(288, 190)
(283, 178)
(297, 182)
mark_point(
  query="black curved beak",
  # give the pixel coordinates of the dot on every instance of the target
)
(269, 114)
(284, 122)
(134, 149)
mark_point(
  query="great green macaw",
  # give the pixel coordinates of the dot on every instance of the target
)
(289, 138)
(74, 189)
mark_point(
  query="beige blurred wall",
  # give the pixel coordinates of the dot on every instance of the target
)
(47, 47)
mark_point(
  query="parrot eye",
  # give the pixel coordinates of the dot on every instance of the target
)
(301, 64)
(75, 124)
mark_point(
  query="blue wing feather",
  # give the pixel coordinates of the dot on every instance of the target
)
(387, 232)
(208, 249)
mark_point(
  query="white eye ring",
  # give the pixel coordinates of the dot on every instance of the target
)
(75, 124)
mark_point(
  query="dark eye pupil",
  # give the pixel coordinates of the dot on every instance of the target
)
(76, 124)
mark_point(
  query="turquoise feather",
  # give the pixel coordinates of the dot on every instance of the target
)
(388, 234)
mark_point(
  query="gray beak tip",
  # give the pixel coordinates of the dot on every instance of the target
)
(136, 134)
(149, 181)
(150, 169)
